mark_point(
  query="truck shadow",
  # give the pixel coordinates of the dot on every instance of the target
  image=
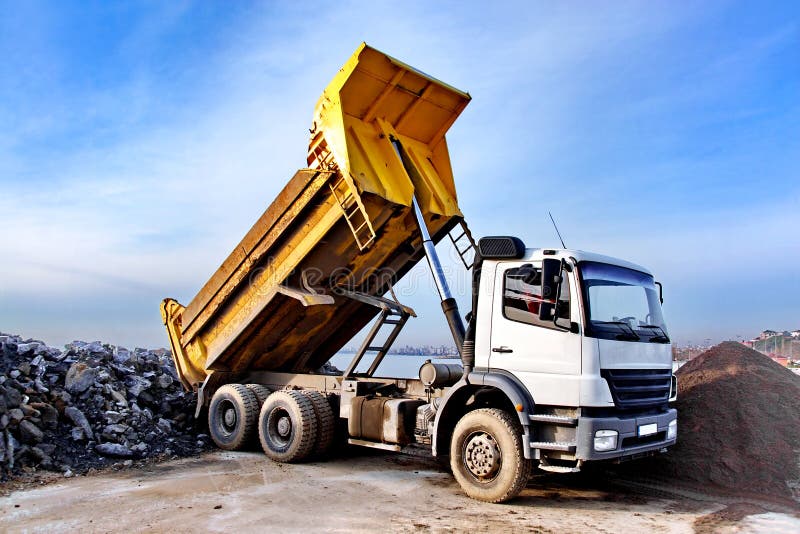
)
(593, 489)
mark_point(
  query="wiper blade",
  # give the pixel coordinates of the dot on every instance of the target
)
(629, 335)
(657, 338)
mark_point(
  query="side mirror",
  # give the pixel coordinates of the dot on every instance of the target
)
(551, 284)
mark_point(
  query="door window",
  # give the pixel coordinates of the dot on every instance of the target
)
(522, 297)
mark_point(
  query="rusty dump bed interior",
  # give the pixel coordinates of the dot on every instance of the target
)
(346, 222)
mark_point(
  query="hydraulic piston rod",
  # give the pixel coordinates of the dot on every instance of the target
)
(430, 253)
(449, 305)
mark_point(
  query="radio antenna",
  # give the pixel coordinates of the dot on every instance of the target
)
(556, 227)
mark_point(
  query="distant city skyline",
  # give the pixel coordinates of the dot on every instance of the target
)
(415, 350)
(140, 141)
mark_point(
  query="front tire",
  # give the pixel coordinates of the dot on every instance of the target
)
(486, 455)
(232, 417)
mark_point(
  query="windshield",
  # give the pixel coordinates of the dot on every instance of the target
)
(622, 304)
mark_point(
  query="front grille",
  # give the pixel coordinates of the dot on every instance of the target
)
(637, 388)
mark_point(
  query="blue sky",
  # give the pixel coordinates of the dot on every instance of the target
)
(140, 140)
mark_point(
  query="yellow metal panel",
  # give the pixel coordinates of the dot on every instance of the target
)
(431, 187)
(374, 94)
(190, 365)
(263, 287)
(283, 211)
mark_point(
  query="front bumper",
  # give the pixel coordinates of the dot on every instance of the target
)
(628, 443)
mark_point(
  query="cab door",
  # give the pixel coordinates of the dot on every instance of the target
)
(522, 343)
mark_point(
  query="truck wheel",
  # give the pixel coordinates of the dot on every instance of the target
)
(486, 455)
(262, 392)
(233, 416)
(326, 423)
(287, 426)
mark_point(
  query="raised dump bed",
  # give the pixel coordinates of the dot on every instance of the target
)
(297, 288)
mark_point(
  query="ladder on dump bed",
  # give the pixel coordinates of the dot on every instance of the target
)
(354, 212)
(464, 244)
(392, 313)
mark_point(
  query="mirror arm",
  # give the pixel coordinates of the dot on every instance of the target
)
(660, 292)
(573, 327)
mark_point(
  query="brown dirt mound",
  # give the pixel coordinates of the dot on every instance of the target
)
(738, 423)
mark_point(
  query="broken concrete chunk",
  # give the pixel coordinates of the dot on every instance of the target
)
(164, 425)
(77, 417)
(114, 449)
(136, 384)
(80, 377)
(30, 433)
(113, 417)
(164, 381)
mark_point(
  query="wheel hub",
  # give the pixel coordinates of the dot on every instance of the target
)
(284, 426)
(482, 455)
(229, 418)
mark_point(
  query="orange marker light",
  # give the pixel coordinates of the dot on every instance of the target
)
(518, 407)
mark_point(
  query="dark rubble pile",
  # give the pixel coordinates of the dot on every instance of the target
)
(90, 405)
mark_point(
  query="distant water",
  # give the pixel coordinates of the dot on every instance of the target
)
(405, 365)
(393, 365)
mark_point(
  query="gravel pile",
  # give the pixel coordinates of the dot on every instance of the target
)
(90, 405)
(738, 424)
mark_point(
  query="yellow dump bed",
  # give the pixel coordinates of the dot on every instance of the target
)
(345, 223)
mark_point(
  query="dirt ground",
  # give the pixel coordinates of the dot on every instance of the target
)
(368, 492)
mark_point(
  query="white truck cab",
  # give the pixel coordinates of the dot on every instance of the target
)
(594, 356)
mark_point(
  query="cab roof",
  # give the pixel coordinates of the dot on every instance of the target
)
(537, 254)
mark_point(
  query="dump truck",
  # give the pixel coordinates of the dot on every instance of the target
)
(564, 355)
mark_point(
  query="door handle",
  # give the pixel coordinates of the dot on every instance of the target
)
(502, 349)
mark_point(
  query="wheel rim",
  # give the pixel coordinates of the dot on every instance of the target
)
(280, 427)
(482, 456)
(228, 417)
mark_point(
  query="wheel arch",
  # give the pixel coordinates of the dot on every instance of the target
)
(484, 389)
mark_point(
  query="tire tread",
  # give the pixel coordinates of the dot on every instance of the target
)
(522, 467)
(248, 406)
(261, 392)
(326, 423)
(304, 411)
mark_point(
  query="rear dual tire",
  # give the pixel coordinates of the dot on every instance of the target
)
(233, 416)
(290, 425)
(287, 426)
(261, 392)
(326, 423)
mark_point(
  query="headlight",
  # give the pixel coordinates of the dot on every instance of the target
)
(605, 440)
(672, 429)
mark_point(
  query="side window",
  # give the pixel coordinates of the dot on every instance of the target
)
(522, 296)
